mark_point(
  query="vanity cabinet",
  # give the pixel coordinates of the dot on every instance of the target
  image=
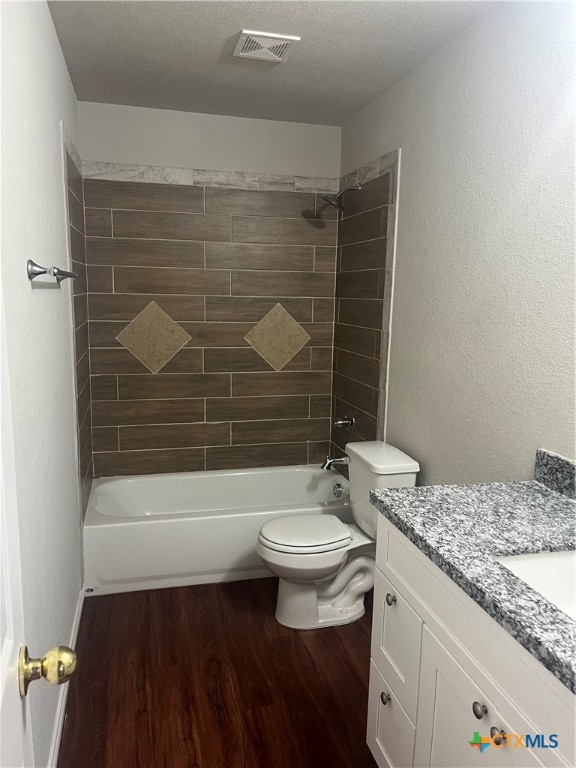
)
(441, 669)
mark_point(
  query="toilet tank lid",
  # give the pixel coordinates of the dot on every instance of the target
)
(381, 458)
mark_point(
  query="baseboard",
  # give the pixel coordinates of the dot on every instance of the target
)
(217, 577)
(63, 694)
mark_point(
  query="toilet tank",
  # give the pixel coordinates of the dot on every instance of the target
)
(374, 464)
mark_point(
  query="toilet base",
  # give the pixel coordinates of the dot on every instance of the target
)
(299, 606)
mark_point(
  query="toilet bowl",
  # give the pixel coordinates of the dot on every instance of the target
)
(326, 566)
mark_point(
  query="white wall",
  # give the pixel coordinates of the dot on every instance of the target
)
(482, 355)
(138, 135)
(36, 94)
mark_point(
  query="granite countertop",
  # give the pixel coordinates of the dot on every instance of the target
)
(463, 528)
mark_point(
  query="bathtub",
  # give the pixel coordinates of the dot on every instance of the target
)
(172, 530)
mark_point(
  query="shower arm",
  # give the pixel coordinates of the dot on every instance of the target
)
(355, 188)
(335, 199)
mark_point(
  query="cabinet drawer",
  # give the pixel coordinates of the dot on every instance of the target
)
(390, 733)
(396, 638)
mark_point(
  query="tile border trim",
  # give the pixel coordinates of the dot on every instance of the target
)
(372, 170)
(198, 177)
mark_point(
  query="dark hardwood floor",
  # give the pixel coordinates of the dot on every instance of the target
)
(205, 677)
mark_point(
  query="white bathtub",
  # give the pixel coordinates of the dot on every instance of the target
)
(173, 530)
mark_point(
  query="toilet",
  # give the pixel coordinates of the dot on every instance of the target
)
(326, 566)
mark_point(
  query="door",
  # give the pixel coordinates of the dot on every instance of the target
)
(448, 733)
(15, 734)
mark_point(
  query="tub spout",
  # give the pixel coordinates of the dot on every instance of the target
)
(328, 463)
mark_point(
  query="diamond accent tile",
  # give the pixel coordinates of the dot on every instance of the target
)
(277, 337)
(153, 337)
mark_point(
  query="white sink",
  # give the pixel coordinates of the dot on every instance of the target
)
(552, 574)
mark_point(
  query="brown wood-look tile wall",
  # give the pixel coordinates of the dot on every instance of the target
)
(81, 332)
(363, 282)
(215, 260)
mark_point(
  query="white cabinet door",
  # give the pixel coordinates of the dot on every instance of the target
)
(396, 637)
(390, 733)
(446, 720)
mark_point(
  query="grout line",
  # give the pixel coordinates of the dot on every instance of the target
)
(76, 229)
(84, 417)
(71, 189)
(369, 240)
(79, 395)
(223, 214)
(355, 271)
(352, 298)
(265, 270)
(355, 327)
(205, 447)
(225, 242)
(355, 381)
(83, 354)
(357, 408)
(368, 210)
(150, 210)
(366, 240)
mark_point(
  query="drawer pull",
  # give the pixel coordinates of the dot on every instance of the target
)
(497, 735)
(390, 599)
(385, 698)
(479, 710)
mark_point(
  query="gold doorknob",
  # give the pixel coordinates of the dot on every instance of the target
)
(56, 666)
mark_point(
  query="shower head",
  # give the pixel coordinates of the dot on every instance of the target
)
(336, 200)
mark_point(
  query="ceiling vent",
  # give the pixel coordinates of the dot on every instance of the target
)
(265, 46)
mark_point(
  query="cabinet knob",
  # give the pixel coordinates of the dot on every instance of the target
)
(385, 698)
(479, 710)
(498, 735)
(390, 599)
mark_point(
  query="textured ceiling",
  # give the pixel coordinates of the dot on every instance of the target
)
(178, 55)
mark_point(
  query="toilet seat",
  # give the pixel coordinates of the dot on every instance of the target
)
(305, 534)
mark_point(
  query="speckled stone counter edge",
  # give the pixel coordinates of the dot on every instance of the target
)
(544, 521)
(500, 613)
(556, 473)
